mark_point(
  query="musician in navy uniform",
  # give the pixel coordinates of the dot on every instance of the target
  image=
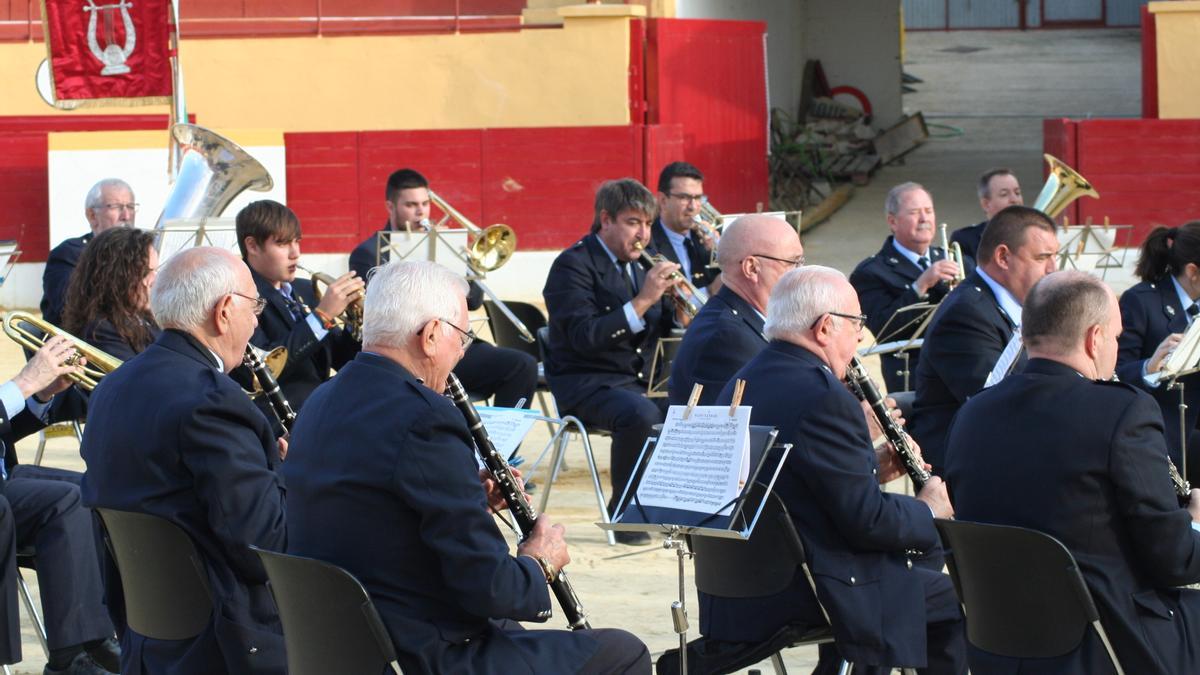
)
(171, 435)
(975, 325)
(754, 252)
(997, 190)
(908, 269)
(1090, 460)
(108, 204)
(269, 238)
(41, 507)
(675, 234)
(1155, 314)
(508, 376)
(606, 315)
(383, 481)
(887, 608)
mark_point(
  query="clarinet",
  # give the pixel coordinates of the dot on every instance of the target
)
(279, 405)
(860, 383)
(1183, 490)
(522, 513)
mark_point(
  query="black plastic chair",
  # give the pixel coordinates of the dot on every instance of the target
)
(1000, 572)
(506, 335)
(329, 622)
(764, 565)
(163, 577)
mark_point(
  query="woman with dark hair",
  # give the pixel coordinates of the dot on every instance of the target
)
(108, 297)
(1155, 313)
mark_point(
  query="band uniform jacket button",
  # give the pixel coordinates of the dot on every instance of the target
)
(254, 650)
(852, 580)
(909, 562)
(638, 350)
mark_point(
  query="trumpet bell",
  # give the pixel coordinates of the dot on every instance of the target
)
(1063, 186)
(17, 327)
(492, 248)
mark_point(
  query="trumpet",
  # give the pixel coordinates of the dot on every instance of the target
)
(686, 297)
(351, 317)
(954, 254)
(98, 363)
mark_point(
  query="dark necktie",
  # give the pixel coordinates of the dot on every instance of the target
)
(630, 285)
(923, 263)
(1192, 310)
(294, 306)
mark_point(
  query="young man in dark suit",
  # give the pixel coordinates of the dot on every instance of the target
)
(1089, 459)
(908, 269)
(508, 376)
(606, 315)
(171, 435)
(674, 234)
(383, 481)
(888, 607)
(269, 238)
(979, 323)
(754, 252)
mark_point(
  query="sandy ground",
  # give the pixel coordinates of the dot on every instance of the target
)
(991, 102)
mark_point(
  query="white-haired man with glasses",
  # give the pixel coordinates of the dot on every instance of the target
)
(383, 482)
(171, 435)
(108, 204)
(754, 252)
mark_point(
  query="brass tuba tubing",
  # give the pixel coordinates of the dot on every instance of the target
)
(98, 364)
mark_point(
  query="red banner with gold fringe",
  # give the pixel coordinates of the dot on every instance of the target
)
(108, 52)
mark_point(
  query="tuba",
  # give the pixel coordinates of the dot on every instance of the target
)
(351, 317)
(98, 363)
(1063, 186)
(212, 172)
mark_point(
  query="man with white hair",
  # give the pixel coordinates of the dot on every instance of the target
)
(1089, 457)
(108, 204)
(382, 481)
(171, 435)
(888, 607)
(754, 252)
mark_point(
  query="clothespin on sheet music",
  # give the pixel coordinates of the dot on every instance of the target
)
(693, 399)
(739, 388)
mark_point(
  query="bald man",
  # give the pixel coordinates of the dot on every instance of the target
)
(753, 253)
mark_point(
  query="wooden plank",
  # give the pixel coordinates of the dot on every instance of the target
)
(901, 138)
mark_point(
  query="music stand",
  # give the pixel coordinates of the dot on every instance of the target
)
(918, 315)
(9, 252)
(1094, 243)
(660, 370)
(1184, 360)
(677, 524)
(180, 233)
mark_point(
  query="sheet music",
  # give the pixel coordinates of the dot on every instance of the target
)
(506, 426)
(701, 463)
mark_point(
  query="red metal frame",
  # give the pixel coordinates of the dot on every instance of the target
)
(1149, 65)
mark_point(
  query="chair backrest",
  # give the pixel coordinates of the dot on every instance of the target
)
(1021, 590)
(764, 565)
(505, 332)
(329, 622)
(543, 342)
(163, 578)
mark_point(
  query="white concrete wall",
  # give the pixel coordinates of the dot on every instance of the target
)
(857, 42)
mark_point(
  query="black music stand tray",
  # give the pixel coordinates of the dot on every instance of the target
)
(766, 461)
(918, 314)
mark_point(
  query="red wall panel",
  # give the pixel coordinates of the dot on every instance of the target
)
(1059, 139)
(710, 77)
(23, 180)
(1149, 64)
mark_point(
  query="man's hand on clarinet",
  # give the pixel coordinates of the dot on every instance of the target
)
(546, 540)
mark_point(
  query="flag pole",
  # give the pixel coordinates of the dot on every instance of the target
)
(178, 99)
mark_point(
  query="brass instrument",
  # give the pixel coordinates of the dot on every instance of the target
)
(1063, 186)
(954, 254)
(686, 297)
(351, 317)
(98, 363)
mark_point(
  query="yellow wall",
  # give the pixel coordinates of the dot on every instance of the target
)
(1177, 25)
(576, 75)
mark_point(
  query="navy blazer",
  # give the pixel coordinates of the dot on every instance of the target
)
(884, 284)
(855, 534)
(590, 345)
(962, 344)
(723, 337)
(968, 239)
(57, 276)
(382, 481)
(366, 256)
(170, 435)
(702, 274)
(103, 335)
(309, 360)
(1089, 462)
(1150, 311)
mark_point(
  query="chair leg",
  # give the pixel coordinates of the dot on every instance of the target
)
(37, 459)
(396, 668)
(591, 460)
(7, 670)
(546, 411)
(845, 668)
(27, 599)
(777, 663)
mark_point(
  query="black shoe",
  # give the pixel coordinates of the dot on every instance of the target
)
(82, 664)
(632, 538)
(106, 653)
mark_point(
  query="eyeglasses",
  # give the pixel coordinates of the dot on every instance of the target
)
(467, 337)
(684, 197)
(259, 303)
(790, 262)
(121, 207)
(859, 320)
